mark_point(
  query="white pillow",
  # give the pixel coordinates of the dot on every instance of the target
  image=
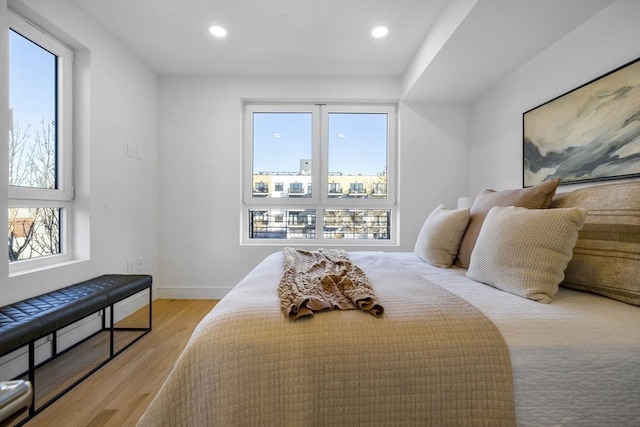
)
(439, 239)
(525, 251)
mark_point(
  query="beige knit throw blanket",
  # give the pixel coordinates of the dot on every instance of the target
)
(325, 279)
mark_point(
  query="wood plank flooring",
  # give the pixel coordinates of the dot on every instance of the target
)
(118, 393)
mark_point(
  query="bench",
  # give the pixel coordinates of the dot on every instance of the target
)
(24, 322)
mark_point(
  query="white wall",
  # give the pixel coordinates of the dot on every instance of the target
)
(116, 195)
(200, 170)
(609, 39)
(434, 162)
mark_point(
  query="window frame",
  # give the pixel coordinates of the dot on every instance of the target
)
(321, 199)
(61, 197)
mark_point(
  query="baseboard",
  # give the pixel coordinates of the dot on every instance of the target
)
(130, 305)
(191, 293)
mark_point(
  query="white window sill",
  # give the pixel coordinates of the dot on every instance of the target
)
(41, 268)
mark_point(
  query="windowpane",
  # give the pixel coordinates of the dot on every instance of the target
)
(33, 94)
(282, 147)
(350, 147)
(282, 224)
(357, 224)
(33, 232)
(39, 154)
(357, 154)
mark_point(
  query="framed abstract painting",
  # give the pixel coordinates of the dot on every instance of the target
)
(591, 133)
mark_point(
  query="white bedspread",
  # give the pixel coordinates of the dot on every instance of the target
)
(576, 362)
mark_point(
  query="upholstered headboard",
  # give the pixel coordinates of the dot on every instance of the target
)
(606, 258)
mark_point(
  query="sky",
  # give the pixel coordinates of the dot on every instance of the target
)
(357, 142)
(31, 82)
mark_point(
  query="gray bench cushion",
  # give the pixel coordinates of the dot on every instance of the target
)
(39, 316)
(17, 326)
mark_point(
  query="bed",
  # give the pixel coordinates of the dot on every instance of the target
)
(573, 360)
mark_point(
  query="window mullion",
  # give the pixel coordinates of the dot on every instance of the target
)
(320, 166)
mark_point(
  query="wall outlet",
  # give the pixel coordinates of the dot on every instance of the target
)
(139, 264)
(131, 265)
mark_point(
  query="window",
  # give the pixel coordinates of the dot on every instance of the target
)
(334, 189)
(40, 190)
(334, 172)
(380, 189)
(295, 189)
(356, 189)
(261, 189)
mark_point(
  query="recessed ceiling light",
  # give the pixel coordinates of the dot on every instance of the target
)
(379, 32)
(218, 31)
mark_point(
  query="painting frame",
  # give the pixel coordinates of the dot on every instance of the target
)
(590, 133)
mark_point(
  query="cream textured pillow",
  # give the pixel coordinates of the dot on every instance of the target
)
(440, 236)
(525, 251)
(536, 197)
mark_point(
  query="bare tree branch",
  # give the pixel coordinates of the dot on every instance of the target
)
(33, 232)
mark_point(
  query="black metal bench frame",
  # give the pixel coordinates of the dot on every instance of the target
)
(35, 321)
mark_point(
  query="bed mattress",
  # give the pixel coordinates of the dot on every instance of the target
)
(575, 361)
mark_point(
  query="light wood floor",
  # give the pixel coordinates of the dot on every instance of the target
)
(119, 392)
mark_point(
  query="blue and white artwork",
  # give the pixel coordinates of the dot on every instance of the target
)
(589, 134)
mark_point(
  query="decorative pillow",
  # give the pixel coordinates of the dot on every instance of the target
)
(525, 251)
(606, 258)
(536, 197)
(440, 236)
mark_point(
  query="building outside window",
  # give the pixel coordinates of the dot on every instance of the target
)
(40, 189)
(348, 149)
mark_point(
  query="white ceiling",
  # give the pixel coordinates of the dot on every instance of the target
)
(332, 37)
